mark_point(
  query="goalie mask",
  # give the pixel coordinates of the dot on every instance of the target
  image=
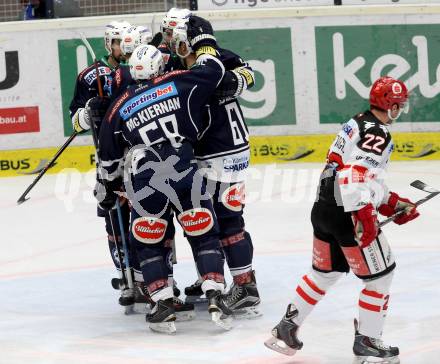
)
(146, 62)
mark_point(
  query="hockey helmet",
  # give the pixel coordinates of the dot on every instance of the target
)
(114, 31)
(146, 62)
(386, 92)
(133, 37)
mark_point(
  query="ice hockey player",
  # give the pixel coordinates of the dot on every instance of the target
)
(345, 225)
(131, 39)
(87, 109)
(222, 152)
(86, 86)
(173, 17)
(144, 118)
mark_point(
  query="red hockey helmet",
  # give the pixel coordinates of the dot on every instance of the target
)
(387, 91)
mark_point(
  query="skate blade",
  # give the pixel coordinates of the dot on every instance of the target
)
(376, 360)
(195, 300)
(225, 324)
(141, 308)
(248, 313)
(279, 346)
(163, 327)
(185, 316)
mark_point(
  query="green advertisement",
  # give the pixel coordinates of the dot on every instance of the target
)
(350, 58)
(73, 58)
(269, 102)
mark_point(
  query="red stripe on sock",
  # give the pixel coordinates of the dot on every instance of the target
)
(372, 293)
(368, 306)
(313, 286)
(305, 296)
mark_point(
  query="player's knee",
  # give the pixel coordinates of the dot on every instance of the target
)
(324, 280)
(196, 222)
(381, 284)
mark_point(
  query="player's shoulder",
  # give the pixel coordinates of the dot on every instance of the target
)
(172, 75)
(226, 53)
(118, 104)
(88, 74)
(369, 124)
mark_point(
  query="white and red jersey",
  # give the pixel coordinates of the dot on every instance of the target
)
(356, 164)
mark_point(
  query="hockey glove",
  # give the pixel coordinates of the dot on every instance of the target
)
(395, 204)
(234, 83)
(81, 121)
(96, 107)
(201, 35)
(104, 192)
(365, 225)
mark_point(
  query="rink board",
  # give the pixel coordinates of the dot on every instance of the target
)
(264, 149)
(313, 67)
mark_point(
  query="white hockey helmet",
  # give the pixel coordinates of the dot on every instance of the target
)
(173, 17)
(114, 31)
(146, 62)
(180, 36)
(134, 37)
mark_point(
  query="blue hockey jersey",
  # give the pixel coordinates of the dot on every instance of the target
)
(168, 109)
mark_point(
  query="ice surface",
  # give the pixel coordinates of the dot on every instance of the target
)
(57, 304)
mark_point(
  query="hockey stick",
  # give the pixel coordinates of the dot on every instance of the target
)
(432, 192)
(126, 274)
(44, 170)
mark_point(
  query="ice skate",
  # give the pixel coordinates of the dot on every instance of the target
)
(142, 299)
(244, 300)
(284, 338)
(194, 293)
(162, 317)
(220, 313)
(126, 300)
(184, 311)
(368, 350)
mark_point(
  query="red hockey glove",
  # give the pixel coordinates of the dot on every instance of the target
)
(395, 204)
(365, 225)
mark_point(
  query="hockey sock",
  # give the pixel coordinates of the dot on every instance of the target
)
(373, 306)
(310, 290)
(238, 251)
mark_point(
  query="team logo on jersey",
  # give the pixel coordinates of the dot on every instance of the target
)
(233, 197)
(147, 98)
(196, 222)
(149, 230)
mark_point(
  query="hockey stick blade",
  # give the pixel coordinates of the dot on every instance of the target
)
(22, 199)
(423, 186)
(274, 344)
